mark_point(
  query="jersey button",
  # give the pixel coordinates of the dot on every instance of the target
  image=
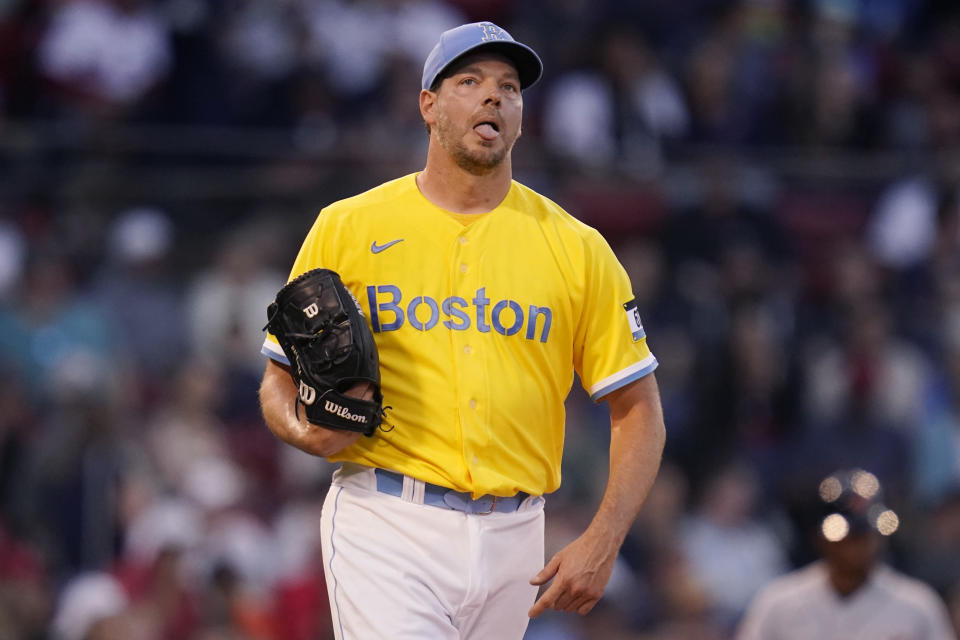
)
(463, 268)
(462, 240)
(468, 350)
(472, 403)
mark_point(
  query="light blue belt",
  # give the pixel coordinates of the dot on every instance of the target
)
(391, 483)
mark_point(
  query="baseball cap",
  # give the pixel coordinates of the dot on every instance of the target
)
(480, 36)
(852, 503)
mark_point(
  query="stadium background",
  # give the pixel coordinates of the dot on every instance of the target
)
(781, 180)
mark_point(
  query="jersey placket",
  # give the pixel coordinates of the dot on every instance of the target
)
(468, 356)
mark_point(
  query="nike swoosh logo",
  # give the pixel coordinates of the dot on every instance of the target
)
(377, 248)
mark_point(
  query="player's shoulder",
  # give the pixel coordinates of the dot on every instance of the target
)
(908, 590)
(793, 587)
(549, 212)
(373, 198)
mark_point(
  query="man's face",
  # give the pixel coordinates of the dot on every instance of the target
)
(857, 553)
(478, 111)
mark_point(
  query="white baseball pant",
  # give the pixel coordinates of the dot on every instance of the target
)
(399, 569)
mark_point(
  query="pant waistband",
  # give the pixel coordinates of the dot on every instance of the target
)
(391, 483)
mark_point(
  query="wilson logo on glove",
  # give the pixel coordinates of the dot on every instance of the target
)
(311, 311)
(343, 412)
(307, 394)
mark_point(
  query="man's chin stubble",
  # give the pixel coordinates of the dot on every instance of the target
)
(478, 164)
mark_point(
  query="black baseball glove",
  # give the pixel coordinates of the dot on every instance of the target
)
(322, 331)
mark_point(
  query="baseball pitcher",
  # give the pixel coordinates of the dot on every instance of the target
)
(427, 341)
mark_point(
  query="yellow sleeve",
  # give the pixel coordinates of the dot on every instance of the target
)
(610, 348)
(311, 256)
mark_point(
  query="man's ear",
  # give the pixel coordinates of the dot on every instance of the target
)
(428, 102)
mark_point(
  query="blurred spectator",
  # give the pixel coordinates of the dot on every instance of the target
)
(185, 429)
(227, 303)
(55, 334)
(726, 76)
(226, 312)
(86, 600)
(74, 473)
(349, 40)
(352, 41)
(731, 549)
(161, 604)
(685, 609)
(104, 56)
(233, 535)
(416, 22)
(870, 366)
(718, 213)
(260, 46)
(904, 229)
(139, 288)
(230, 610)
(158, 523)
(850, 591)
(747, 403)
(260, 38)
(936, 441)
(619, 111)
(845, 69)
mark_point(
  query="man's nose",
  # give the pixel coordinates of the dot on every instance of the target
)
(493, 95)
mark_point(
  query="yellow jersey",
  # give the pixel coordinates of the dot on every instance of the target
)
(481, 321)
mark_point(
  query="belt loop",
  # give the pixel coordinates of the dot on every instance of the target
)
(409, 487)
(419, 489)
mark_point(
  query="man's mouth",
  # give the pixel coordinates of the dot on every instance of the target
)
(487, 129)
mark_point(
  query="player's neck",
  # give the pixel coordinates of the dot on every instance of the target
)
(845, 583)
(450, 187)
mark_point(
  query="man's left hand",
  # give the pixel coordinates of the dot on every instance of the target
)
(580, 572)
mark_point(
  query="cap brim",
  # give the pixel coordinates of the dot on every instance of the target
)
(528, 64)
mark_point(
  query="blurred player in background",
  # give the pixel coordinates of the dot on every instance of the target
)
(484, 298)
(850, 593)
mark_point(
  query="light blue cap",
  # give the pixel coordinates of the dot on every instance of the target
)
(476, 36)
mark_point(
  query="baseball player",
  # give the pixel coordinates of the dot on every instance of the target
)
(484, 299)
(848, 594)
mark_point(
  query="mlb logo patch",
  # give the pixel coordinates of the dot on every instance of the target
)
(633, 319)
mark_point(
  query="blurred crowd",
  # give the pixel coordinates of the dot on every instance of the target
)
(780, 179)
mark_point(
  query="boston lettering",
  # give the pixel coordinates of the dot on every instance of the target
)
(388, 312)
